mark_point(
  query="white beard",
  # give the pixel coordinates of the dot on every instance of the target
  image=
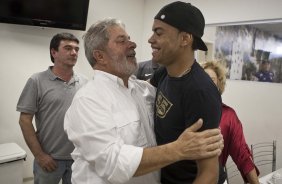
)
(123, 66)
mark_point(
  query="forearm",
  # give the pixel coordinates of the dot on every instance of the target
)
(29, 135)
(252, 177)
(155, 158)
(208, 171)
(189, 146)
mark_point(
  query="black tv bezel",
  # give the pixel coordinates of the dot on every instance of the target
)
(48, 23)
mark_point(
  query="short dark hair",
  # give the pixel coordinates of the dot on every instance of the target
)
(56, 40)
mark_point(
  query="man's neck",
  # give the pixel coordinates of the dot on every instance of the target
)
(181, 65)
(64, 73)
(125, 82)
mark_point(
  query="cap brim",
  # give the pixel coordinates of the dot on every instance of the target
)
(201, 44)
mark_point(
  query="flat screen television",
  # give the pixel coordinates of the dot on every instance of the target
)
(66, 14)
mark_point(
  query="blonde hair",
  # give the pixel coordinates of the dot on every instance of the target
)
(220, 71)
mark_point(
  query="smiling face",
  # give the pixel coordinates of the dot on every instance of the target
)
(166, 42)
(120, 53)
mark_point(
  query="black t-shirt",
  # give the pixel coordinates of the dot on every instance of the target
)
(179, 103)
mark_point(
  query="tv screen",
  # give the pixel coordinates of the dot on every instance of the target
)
(66, 14)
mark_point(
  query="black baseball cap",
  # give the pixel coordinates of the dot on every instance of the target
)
(185, 17)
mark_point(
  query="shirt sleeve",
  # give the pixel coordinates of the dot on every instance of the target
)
(205, 104)
(238, 148)
(91, 128)
(28, 99)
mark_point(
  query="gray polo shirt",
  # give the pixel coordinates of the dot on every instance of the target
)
(48, 98)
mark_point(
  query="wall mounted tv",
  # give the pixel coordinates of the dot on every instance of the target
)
(66, 14)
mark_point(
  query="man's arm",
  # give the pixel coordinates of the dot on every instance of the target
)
(190, 145)
(44, 160)
(208, 171)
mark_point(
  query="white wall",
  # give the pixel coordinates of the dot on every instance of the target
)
(258, 105)
(24, 50)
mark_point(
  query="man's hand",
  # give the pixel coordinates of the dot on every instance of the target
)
(46, 162)
(190, 145)
(193, 145)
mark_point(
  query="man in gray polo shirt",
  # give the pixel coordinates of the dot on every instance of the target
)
(47, 95)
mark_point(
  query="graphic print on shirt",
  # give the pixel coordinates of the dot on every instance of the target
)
(163, 105)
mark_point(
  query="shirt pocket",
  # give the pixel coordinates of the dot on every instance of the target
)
(129, 128)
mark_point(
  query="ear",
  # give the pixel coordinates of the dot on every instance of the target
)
(99, 56)
(187, 39)
(53, 52)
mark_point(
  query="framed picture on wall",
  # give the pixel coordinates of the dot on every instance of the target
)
(250, 51)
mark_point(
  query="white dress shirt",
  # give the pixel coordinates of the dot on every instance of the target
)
(108, 132)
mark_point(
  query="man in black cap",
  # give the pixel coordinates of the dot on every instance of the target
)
(185, 92)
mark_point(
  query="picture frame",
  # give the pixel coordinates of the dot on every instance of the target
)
(250, 50)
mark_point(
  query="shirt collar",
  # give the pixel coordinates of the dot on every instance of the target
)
(52, 76)
(116, 80)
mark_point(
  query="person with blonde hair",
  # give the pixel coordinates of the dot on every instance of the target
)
(232, 130)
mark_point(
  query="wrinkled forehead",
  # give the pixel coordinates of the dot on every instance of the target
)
(117, 31)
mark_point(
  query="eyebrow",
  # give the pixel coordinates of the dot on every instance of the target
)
(122, 37)
(70, 46)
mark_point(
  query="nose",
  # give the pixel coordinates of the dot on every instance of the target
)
(151, 39)
(132, 45)
(74, 51)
